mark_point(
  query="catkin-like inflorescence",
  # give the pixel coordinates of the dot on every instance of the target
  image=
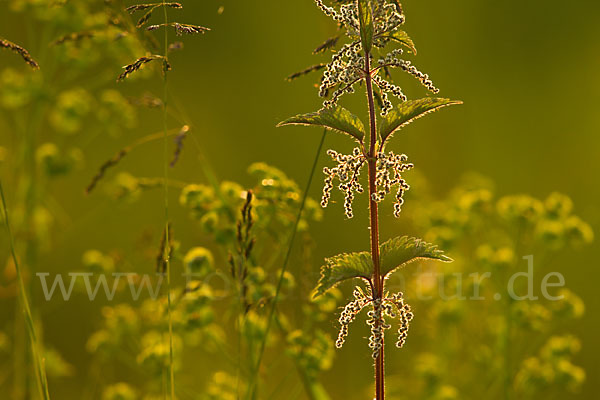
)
(347, 172)
(392, 60)
(390, 167)
(329, 11)
(349, 314)
(346, 67)
(387, 306)
(405, 316)
(378, 325)
(343, 72)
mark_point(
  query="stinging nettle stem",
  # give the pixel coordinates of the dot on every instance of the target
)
(377, 280)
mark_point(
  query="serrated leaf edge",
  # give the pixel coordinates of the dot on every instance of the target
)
(432, 110)
(290, 121)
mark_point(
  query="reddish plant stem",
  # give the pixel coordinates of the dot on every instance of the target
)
(374, 222)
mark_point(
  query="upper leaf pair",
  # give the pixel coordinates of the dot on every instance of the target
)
(341, 120)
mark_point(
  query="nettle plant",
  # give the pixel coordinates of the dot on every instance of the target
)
(371, 27)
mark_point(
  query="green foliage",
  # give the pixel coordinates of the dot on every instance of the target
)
(222, 387)
(408, 111)
(365, 16)
(198, 261)
(56, 365)
(336, 118)
(70, 110)
(119, 391)
(96, 262)
(395, 253)
(516, 341)
(401, 37)
(56, 162)
(399, 251)
(18, 88)
(314, 352)
(551, 367)
(343, 267)
(276, 199)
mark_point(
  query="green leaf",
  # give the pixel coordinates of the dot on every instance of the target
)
(343, 267)
(365, 15)
(401, 37)
(400, 251)
(408, 111)
(335, 118)
(394, 254)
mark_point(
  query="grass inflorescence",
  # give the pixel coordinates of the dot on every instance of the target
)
(15, 48)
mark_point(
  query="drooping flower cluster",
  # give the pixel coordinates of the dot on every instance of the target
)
(345, 70)
(349, 313)
(405, 317)
(390, 167)
(348, 172)
(387, 17)
(378, 326)
(391, 306)
(347, 66)
(395, 163)
(392, 60)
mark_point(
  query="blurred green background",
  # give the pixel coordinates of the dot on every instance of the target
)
(527, 72)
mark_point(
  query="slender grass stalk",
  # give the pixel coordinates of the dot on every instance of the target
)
(30, 124)
(35, 347)
(167, 249)
(116, 159)
(254, 372)
(128, 70)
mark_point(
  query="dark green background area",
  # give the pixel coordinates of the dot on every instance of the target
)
(526, 70)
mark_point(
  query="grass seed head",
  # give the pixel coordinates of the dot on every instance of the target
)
(15, 48)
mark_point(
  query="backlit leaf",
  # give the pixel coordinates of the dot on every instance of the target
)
(403, 38)
(394, 254)
(408, 111)
(365, 14)
(343, 267)
(403, 250)
(335, 118)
